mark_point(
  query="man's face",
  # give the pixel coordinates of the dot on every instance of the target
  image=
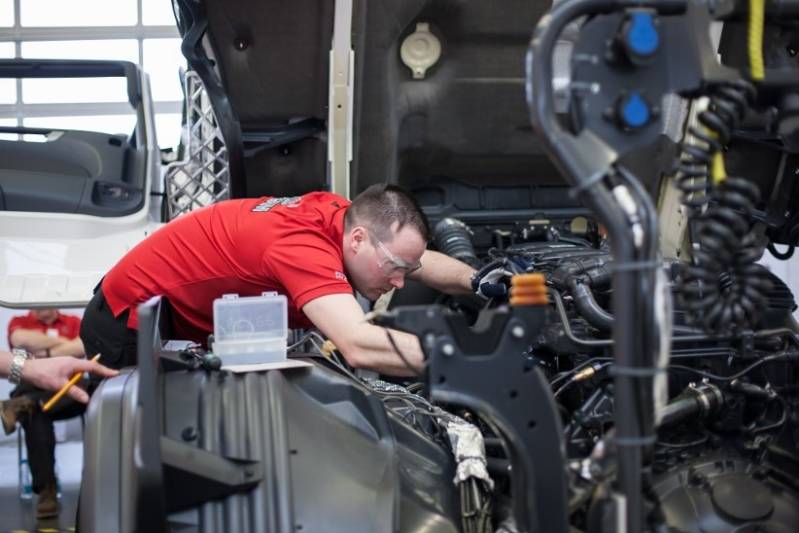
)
(45, 316)
(375, 266)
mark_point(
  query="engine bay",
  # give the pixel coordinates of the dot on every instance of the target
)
(726, 425)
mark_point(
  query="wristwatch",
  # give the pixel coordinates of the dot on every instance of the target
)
(15, 374)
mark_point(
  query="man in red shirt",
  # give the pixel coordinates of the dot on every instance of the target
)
(46, 332)
(316, 249)
(42, 333)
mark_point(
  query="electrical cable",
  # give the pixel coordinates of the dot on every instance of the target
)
(573, 379)
(782, 256)
(737, 375)
(682, 445)
(792, 242)
(401, 355)
(302, 340)
(695, 165)
(753, 430)
(650, 340)
(723, 291)
(564, 375)
(754, 41)
(412, 388)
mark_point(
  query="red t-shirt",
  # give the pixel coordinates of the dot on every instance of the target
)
(289, 245)
(67, 326)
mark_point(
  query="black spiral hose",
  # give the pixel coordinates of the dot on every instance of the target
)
(724, 290)
(726, 110)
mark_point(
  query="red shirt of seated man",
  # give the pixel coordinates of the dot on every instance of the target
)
(51, 322)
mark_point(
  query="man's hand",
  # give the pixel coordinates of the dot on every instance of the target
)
(493, 280)
(52, 374)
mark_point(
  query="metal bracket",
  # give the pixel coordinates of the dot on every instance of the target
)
(193, 476)
(342, 62)
(494, 381)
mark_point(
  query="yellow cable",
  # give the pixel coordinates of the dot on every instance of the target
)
(717, 170)
(757, 13)
(757, 10)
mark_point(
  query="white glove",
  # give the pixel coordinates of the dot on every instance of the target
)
(492, 281)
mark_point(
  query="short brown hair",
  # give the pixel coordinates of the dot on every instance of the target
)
(382, 205)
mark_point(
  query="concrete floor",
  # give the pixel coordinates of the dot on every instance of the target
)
(16, 515)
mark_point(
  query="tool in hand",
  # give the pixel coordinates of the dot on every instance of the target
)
(69, 384)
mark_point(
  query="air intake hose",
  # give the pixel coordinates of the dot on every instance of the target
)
(453, 238)
(588, 307)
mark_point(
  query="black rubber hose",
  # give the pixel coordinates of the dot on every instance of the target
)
(588, 307)
(452, 237)
(678, 410)
(782, 256)
(703, 401)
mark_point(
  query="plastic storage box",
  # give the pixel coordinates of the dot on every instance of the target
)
(250, 330)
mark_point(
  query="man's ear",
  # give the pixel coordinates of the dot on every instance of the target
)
(358, 237)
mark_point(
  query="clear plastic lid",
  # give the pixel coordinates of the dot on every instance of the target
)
(250, 317)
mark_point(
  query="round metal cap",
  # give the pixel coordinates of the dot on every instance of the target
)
(741, 497)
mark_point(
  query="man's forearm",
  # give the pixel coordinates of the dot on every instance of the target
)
(32, 340)
(364, 345)
(372, 349)
(444, 273)
(73, 347)
(5, 362)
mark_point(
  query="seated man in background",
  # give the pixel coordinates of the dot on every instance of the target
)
(41, 333)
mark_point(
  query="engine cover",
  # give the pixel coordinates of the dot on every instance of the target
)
(725, 494)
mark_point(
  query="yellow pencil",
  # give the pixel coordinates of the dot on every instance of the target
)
(58, 395)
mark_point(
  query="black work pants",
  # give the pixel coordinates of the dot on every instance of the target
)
(110, 336)
(39, 432)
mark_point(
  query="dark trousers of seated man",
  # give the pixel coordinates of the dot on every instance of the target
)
(40, 434)
(102, 333)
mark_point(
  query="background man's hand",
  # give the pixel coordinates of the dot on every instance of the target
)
(52, 374)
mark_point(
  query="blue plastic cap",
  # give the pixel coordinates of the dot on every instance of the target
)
(643, 37)
(635, 111)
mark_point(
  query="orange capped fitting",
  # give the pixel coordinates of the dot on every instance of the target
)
(528, 289)
(526, 280)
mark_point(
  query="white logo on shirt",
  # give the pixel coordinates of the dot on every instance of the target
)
(288, 201)
(340, 275)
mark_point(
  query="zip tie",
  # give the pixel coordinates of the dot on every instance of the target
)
(635, 372)
(589, 182)
(632, 265)
(636, 441)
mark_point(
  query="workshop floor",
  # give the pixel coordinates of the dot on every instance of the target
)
(18, 516)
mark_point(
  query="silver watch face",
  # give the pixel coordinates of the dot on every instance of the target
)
(15, 373)
(20, 352)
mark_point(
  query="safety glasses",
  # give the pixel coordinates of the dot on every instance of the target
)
(390, 264)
